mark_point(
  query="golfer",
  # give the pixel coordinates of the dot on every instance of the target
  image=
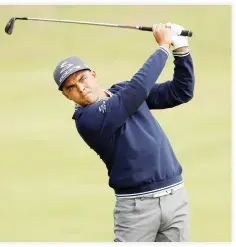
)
(151, 201)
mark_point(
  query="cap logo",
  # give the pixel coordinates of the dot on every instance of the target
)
(67, 67)
(63, 64)
(65, 74)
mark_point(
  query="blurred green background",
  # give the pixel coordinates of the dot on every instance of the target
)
(52, 186)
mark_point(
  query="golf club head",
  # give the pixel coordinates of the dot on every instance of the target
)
(10, 25)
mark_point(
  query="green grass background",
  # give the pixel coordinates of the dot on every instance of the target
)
(52, 186)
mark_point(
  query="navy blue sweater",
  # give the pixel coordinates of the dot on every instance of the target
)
(123, 132)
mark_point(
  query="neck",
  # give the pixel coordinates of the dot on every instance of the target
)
(102, 94)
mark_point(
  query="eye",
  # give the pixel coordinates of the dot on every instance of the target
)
(83, 78)
(70, 87)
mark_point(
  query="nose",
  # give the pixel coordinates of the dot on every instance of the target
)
(80, 87)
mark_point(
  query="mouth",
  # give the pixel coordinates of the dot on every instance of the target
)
(86, 95)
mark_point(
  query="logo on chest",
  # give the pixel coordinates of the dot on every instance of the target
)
(102, 108)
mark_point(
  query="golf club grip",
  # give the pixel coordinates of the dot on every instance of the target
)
(183, 33)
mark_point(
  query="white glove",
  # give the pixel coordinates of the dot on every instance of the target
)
(177, 40)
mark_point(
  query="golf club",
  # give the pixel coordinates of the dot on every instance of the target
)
(10, 25)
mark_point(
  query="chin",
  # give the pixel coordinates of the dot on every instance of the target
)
(88, 100)
(91, 101)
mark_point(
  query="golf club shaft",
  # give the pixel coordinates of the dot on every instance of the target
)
(183, 33)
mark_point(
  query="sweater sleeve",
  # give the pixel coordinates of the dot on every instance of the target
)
(110, 114)
(176, 91)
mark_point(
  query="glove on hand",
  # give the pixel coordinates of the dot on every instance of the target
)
(177, 40)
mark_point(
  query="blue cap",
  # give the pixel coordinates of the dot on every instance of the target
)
(67, 67)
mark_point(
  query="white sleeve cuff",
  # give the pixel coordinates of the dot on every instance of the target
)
(165, 50)
(180, 53)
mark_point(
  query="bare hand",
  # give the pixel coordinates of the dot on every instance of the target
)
(162, 34)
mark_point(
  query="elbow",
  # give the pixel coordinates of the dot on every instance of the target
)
(188, 97)
(189, 93)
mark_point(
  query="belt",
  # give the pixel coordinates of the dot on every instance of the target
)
(164, 192)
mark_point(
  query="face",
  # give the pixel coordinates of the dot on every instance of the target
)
(81, 87)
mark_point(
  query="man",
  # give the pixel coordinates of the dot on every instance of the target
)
(151, 201)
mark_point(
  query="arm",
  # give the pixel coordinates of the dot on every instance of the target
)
(126, 101)
(111, 113)
(177, 91)
(180, 89)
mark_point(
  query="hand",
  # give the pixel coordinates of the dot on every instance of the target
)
(162, 34)
(177, 40)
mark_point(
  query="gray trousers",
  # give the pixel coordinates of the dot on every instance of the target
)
(148, 219)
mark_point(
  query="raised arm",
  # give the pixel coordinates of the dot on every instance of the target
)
(180, 89)
(127, 100)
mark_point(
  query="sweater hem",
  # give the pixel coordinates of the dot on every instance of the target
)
(149, 187)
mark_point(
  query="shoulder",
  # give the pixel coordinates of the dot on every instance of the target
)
(117, 87)
(90, 118)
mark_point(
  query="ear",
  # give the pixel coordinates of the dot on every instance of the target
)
(93, 74)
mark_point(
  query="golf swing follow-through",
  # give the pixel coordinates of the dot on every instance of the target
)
(117, 123)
